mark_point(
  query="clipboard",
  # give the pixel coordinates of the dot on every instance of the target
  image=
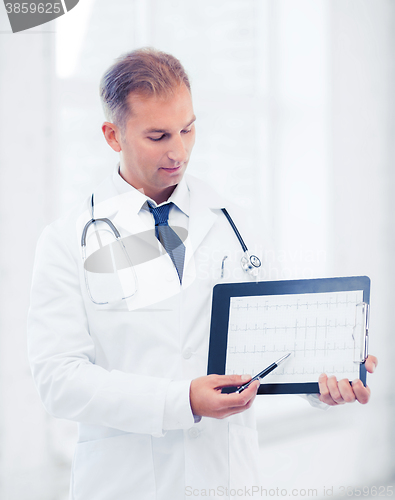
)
(323, 322)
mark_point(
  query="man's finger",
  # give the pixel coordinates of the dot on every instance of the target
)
(361, 392)
(220, 381)
(371, 363)
(325, 396)
(346, 391)
(239, 401)
(236, 403)
(334, 391)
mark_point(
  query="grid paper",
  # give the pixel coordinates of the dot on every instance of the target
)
(321, 330)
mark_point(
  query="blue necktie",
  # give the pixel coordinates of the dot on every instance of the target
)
(168, 237)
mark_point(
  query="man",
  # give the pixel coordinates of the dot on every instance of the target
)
(132, 371)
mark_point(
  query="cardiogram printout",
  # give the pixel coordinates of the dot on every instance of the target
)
(322, 331)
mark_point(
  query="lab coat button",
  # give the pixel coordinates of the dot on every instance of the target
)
(187, 353)
(193, 433)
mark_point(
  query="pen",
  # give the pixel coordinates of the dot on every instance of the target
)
(264, 372)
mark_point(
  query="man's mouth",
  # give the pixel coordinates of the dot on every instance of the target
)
(172, 169)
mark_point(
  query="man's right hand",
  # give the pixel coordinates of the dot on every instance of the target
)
(208, 401)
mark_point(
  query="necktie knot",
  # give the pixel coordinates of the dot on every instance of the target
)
(161, 214)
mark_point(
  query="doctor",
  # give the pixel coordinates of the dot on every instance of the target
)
(132, 372)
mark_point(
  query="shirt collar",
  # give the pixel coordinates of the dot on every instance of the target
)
(180, 196)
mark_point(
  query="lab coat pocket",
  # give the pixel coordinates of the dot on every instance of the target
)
(244, 457)
(119, 467)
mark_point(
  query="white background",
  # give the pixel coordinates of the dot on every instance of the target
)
(295, 120)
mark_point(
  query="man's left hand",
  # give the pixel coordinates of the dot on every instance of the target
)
(335, 393)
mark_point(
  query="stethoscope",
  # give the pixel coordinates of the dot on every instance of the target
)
(249, 263)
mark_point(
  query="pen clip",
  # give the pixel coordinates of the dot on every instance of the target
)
(223, 265)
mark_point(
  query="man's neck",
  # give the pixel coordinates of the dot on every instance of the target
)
(158, 196)
(161, 196)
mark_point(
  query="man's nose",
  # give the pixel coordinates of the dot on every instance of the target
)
(177, 151)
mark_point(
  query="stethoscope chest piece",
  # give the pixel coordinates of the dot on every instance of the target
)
(250, 264)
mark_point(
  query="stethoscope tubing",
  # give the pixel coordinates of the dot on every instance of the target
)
(250, 263)
(233, 225)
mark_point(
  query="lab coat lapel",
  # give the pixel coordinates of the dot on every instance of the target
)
(203, 214)
(122, 211)
(129, 223)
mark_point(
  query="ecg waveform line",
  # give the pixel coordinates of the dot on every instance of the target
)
(236, 328)
(233, 350)
(266, 306)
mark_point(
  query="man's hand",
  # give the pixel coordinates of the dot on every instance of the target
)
(334, 393)
(208, 401)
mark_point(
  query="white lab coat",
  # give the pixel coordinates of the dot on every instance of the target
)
(112, 370)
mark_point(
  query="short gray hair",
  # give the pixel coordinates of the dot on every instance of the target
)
(146, 72)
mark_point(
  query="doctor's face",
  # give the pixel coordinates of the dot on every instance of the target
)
(157, 142)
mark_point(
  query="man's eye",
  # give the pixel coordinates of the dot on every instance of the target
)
(186, 131)
(157, 138)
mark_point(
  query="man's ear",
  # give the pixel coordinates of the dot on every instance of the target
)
(112, 135)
